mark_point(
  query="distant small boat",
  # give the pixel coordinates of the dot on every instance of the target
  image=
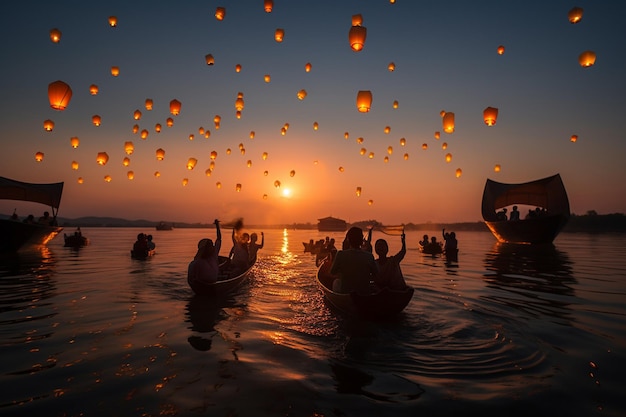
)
(76, 240)
(226, 282)
(547, 193)
(164, 226)
(16, 234)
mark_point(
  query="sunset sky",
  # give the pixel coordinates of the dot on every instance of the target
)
(445, 56)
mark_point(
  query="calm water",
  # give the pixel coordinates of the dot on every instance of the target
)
(506, 331)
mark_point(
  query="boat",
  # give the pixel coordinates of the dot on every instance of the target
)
(548, 194)
(18, 235)
(142, 255)
(164, 226)
(226, 281)
(381, 304)
(76, 240)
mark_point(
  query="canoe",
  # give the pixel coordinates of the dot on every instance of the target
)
(227, 280)
(141, 255)
(379, 304)
(547, 193)
(75, 241)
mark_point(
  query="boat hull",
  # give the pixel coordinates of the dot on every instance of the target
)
(73, 241)
(226, 282)
(16, 236)
(380, 304)
(529, 231)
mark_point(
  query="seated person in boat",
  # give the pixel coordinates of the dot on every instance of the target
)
(356, 267)
(239, 253)
(140, 247)
(29, 220)
(254, 247)
(389, 271)
(45, 219)
(501, 215)
(204, 269)
(514, 214)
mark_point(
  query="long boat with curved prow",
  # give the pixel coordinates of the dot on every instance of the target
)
(381, 304)
(227, 281)
(15, 234)
(548, 194)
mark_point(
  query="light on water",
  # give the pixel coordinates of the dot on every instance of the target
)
(508, 330)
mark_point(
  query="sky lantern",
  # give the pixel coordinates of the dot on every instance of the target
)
(496, 168)
(264, 156)
(390, 150)
(265, 173)
(39, 156)
(279, 35)
(217, 119)
(395, 104)
(191, 163)
(252, 134)
(135, 128)
(59, 95)
(587, 59)
(277, 184)
(283, 131)
(130, 175)
(500, 50)
(220, 13)
(444, 146)
(74, 141)
(126, 161)
(268, 5)
(371, 155)
(341, 169)
(391, 67)
(437, 135)
(80, 180)
(459, 172)
(207, 134)
(239, 104)
(490, 114)
(201, 130)
(208, 172)
(129, 148)
(238, 187)
(267, 78)
(107, 178)
(185, 182)
(157, 127)
(218, 185)
(191, 136)
(307, 67)
(387, 129)
(209, 59)
(402, 141)
(364, 101)
(137, 115)
(157, 174)
(144, 134)
(102, 158)
(362, 151)
(370, 202)
(169, 122)
(115, 71)
(55, 35)
(575, 15)
(113, 21)
(448, 157)
(357, 20)
(292, 173)
(48, 125)
(424, 146)
(357, 36)
(160, 154)
(448, 122)
(228, 151)
(238, 68)
(175, 107)
(358, 191)
(74, 165)
(574, 138)
(359, 140)
(346, 135)
(238, 114)
(249, 163)
(93, 89)
(406, 156)
(96, 120)
(315, 125)
(149, 104)
(301, 94)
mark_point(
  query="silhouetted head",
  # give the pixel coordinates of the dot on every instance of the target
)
(205, 248)
(253, 237)
(355, 237)
(381, 248)
(140, 236)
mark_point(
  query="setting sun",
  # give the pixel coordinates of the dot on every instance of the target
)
(286, 192)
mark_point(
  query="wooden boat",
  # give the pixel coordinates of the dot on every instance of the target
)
(547, 193)
(75, 241)
(227, 280)
(142, 255)
(380, 304)
(17, 235)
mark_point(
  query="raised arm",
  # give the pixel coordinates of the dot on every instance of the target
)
(218, 231)
(402, 252)
(262, 240)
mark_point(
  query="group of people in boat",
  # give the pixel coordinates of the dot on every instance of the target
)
(205, 266)
(45, 220)
(515, 213)
(359, 271)
(449, 246)
(143, 246)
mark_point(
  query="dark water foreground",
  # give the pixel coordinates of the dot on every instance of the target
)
(508, 331)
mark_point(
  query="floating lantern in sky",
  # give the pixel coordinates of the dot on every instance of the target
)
(458, 172)
(292, 173)
(267, 78)
(209, 59)
(363, 151)
(239, 104)
(80, 180)
(191, 136)
(490, 114)
(277, 184)
(496, 168)
(341, 169)
(213, 155)
(238, 187)
(402, 141)
(252, 134)
(359, 140)
(185, 182)
(391, 67)
(96, 120)
(444, 146)
(129, 148)
(113, 21)
(135, 128)
(587, 59)
(157, 174)
(386, 159)
(315, 125)
(356, 37)
(249, 163)
(370, 202)
(93, 89)
(448, 122)
(448, 157)
(149, 104)
(279, 35)
(218, 185)
(268, 5)
(301, 94)
(390, 150)
(238, 68)
(59, 95)
(228, 151)
(137, 115)
(264, 156)
(437, 135)
(74, 165)
(208, 172)
(126, 161)
(387, 129)
(157, 127)
(358, 191)
(74, 141)
(307, 67)
(346, 135)
(212, 165)
(406, 156)
(220, 13)
(357, 20)
(191, 163)
(395, 104)
(115, 71)
(175, 107)
(169, 122)
(364, 101)
(207, 134)
(107, 178)
(144, 134)
(424, 146)
(265, 173)
(283, 131)
(500, 50)
(48, 125)
(130, 175)
(201, 130)
(102, 158)
(39, 156)
(575, 14)
(371, 155)
(574, 138)
(55, 35)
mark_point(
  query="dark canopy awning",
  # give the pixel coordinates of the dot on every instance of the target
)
(49, 194)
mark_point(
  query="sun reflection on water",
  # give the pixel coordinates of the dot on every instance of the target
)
(287, 257)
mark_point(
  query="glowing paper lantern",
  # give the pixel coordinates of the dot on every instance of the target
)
(391, 67)
(265, 173)
(149, 104)
(346, 135)
(387, 129)
(185, 182)
(252, 134)
(390, 150)
(157, 127)
(267, 78)
(437, 135)
(126, 161)
(358, 191)
(169, 122)
(359, 140)
(238, 187)
(357, 20)
(283, 131)
(220, 12)
(48, 125)
(363, 151)
(228, 151)
(301, 94)
(102, 158)
(277, 184)
(341, 169)
(80, 180)
(356, 37)
(292, 173)
(209, 59)
(279, 35)
(55, 35)
(268, 5)
(402, 141)
(307, 67)
(458, 172)
(238, 68)
(135, 128)
(217, 119)
(96, 120)
(157, 174)
(130, 175)
(386, 159)
(113, 21)
(264, 156)
(160, 154)
(424, 146)
(191, 163)
(371, 155)
(239, 104)
(490, 114)
(175, 107)
(144, 134)
(74, 142)
(115, 71)
(575, 14)
(500, 50)
(448, 122)
(370, 202)
(93, 89)
(315, 126)
(218, 185)
(496, 168)
(74, 165)
(191, 136)
(364, 101)
(587, 59)
(574, 138)
(129, 148)
(249, 163)
(137, 115)
(208, 172)
(406, 156)
(444, 146)
(107, 178)
(59, 95)
(448, 157)
(395, 104)
(39, 156)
